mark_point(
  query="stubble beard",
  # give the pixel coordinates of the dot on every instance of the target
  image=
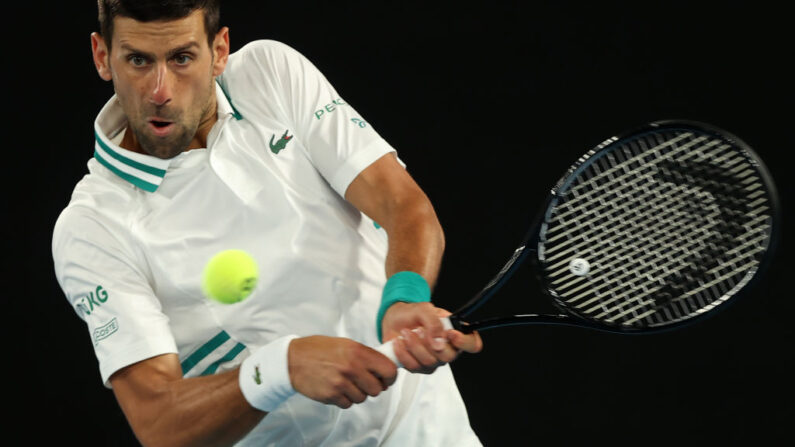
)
(169, 146)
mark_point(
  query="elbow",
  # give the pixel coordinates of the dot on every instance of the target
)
(150, 436)
(153, 424)
(159, 438)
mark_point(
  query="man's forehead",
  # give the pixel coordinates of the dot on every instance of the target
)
(160, 35)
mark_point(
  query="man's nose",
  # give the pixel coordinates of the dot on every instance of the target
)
(161, 92)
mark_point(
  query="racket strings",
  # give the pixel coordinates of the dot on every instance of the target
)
(686, 280)
(606, 203)
(684, 285)
(645, 267)
(625, 194)
(733, 206)
(645, 271)
(657, 215)
(602, 180)
(632, 216)
(624, 199)
(656, 233)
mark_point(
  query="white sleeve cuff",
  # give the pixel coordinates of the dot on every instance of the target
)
(264, 376)
(357, 163)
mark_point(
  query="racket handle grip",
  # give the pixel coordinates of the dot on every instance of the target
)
(389, 350)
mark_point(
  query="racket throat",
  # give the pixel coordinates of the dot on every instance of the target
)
(510, 267)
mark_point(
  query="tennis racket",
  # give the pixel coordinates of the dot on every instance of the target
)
(650, 230)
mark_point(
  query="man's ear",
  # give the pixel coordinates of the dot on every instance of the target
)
(220, 51)
(101, 56)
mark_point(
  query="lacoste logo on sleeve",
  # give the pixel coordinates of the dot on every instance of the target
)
(281, 144)
(105, 331)
(257, 377)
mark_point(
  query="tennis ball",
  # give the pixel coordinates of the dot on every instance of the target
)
(230, 276)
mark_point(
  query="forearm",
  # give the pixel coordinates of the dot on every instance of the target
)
(208, 410)
(416, 240)
(416, 244)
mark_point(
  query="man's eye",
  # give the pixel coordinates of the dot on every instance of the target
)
(182, 59)
(137, 61)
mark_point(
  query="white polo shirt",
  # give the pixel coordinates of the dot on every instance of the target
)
(130, 247)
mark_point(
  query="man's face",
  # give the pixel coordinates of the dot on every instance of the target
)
(163, 75)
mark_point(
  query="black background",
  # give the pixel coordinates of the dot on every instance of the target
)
(488, 104)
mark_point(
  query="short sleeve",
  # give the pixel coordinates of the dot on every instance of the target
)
(340, 142)
(106, 288)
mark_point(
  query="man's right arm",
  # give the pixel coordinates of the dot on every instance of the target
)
(165, 409)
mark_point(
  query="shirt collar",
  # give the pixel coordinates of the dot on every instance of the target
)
(143, 171)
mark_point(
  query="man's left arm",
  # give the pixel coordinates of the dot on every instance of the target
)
(386, 193)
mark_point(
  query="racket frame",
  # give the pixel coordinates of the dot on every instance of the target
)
(529, 248)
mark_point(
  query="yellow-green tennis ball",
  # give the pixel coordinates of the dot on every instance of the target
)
(230, 276)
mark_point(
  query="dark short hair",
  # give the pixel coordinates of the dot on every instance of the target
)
(151, 10)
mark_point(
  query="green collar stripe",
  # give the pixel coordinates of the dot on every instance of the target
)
(204, 351)
(236, 114)
(129, 162)
(229, 356)
(146, 186)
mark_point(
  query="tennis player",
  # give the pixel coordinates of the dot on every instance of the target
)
(200, 151)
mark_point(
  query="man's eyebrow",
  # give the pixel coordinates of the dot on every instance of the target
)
(170, 53)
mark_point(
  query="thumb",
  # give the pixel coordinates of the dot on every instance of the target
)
(465, 342)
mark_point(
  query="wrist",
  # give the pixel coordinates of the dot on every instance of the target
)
(264, 376)
(405, 286)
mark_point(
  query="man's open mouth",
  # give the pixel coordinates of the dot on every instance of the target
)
(160, 127)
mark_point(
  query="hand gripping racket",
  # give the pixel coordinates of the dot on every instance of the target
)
(651, 229)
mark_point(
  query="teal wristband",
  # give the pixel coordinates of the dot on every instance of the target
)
(405, 286)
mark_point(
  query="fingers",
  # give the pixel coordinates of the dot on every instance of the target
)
(350, 392)
(365, 385)
(338, 371)
(431, 323)
(416, 351)
(421, 342)
(471, 343)
(354, 386)
(414, 315)
(382, 369)
(368, 374)
(465, 342)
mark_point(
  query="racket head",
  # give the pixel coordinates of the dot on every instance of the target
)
(657, 227)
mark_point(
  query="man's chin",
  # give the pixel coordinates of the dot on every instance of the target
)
(164, 148)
